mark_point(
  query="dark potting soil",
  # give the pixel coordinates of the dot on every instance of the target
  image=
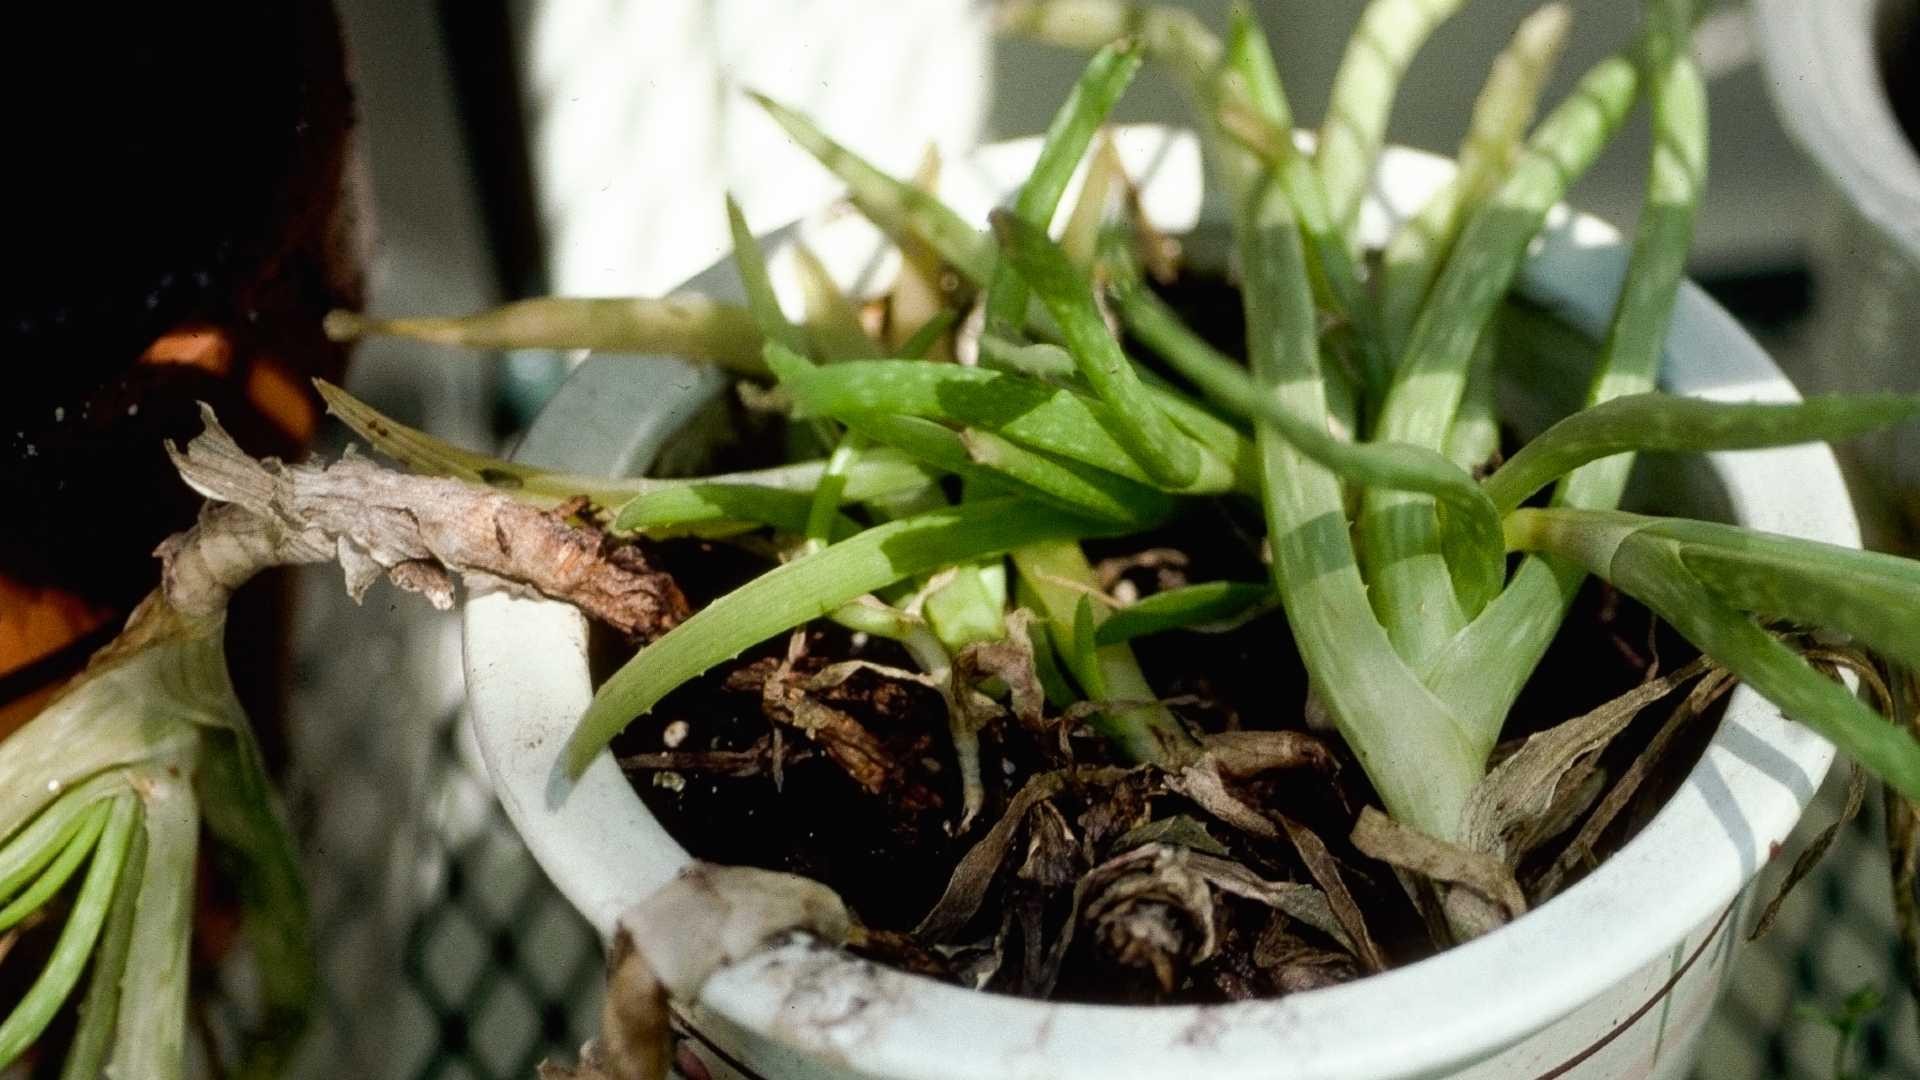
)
(885, 840)
(890, 854)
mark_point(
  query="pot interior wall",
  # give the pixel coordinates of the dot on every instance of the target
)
(1897, 46)
(1554, 385)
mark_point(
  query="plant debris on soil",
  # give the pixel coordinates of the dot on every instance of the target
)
(1243, 875)
(1090, 880)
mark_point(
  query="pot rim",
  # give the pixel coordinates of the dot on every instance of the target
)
(1823, 68)
(1682, 873)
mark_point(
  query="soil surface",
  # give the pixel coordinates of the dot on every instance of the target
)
(891, 853)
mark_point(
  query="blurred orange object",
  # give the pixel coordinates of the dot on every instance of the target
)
(184, 226)
(35, 625)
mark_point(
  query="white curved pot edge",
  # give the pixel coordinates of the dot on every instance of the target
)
(1823, 69)
(527, 683)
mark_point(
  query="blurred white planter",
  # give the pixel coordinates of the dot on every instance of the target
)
(1613, 979)
(640, 121)
(1824, 64)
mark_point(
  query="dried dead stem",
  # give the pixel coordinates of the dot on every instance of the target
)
(1479, 890)
(1869, 672)
(791, 699)
(1579, 851)
(1525, 800)
(1202, 783)
(1145, 889)
(419, 532)
(974, 876)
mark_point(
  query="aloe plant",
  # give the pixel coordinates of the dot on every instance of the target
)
(928, 501)
(1416, 629)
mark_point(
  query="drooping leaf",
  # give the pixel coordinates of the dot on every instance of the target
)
(686, 325)
(1666, 422)
(808, 588)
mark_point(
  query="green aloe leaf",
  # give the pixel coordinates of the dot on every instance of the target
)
(1654, 560)
(879, 472)
(716, 509)
(28, 851)
(1092, 98)
(1393, 466)
(253, 847)
(150, 1032)
(1482, 668)
(1263, 122)
(71, 854)
(762, 302)
(1498, 129)
(1058, 583)
(99, 1010)
(983, 457)
(1150, 438)
(808, 588)
(928, 335)
(1654, 421)
(899, 209)
(1422, 759)
(1029, 412)
(1870, 596)
(1189, 606)
(28, 1017)
(1389, 34)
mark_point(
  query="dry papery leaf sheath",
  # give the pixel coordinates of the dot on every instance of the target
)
(419, 531)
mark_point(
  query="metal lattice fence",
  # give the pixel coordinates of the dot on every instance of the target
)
(508, 972)
(1835, 936)
(445, 952)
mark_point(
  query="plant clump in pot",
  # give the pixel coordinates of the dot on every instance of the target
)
(1131, 634)
(1191, 655)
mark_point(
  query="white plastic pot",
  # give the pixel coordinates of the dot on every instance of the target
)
(1825, 66)
(1614, 978)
